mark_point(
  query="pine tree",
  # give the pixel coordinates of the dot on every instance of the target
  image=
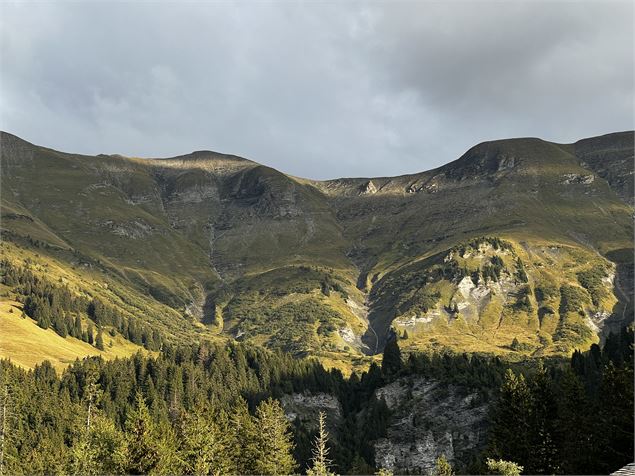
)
(6, 413)
(169, 461)
(544, 456)
(360, 466)
(321, 463)
(511, 421)
(578, 448)
(205, 444)
(76, 330)
(99, 343)
(615, 418)
(83, 457)
(99, 449)
(142, 454)
(391, 361)
(91, 334)
(244, 439)
(275, 441)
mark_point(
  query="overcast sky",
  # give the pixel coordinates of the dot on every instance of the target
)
(319, 90)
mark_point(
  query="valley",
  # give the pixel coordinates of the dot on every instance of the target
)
(424, 317)
(483, 254)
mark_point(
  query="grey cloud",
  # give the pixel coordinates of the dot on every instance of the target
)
(315, 89)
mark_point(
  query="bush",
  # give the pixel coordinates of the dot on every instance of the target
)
(505, 468)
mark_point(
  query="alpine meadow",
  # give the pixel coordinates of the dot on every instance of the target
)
(207, 314)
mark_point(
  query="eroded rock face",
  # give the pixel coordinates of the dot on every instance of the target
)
(135, 229)
(569, 179)
(430, 419)
(305, 407)
(368, 187)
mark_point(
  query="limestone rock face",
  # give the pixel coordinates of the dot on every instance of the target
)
(305, 407)
(368, 188)
(430, 419)
(569, 179)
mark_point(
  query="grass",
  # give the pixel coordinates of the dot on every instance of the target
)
(547, 314)
(154, 238)
(26, 344)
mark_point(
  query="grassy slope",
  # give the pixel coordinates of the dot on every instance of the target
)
(27, 345)
(540, 330)
(152, 237)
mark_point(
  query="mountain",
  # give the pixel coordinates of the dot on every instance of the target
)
(520, 247)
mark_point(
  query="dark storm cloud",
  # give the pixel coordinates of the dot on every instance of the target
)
(317, 90)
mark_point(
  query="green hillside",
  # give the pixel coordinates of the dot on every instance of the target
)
(520, 247)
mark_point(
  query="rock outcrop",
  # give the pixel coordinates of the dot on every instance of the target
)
(430, 419)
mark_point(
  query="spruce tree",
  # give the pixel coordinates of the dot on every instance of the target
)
(99, 342)
(509, 436)
(544, 457)
(91, 334)
(205, 444)
(391, 361)
(578, 448)
(6, 414)
(244, 439)
(615, 418)
(142, 454)
(275, 441)
(321, 462)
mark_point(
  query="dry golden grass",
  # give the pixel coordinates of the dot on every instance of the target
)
(27, 344)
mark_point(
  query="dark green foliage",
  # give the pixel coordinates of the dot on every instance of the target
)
(591, 280)
(521, 274)
(573, 333)
(515, 344)
(545, 457)
(572, 299)
(99, 342)
(54, 306)
(546, 291)
(200, 410)
(142, 438)
(76, 330)
(147, 398)
(90, 334)
(290, 325)
(493, 271)
(475, 243)
(578, 448)
(206, 443)
(511, 419)
(273, 441)
(523, 299)
(49, 304)
(391, 361)
(576, 420)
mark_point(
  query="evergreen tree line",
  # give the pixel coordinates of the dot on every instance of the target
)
(575, 419)
(53, 306)
(205, 409)
(213, 409)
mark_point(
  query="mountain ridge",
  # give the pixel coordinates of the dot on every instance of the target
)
(623, 138)
(228, 247)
